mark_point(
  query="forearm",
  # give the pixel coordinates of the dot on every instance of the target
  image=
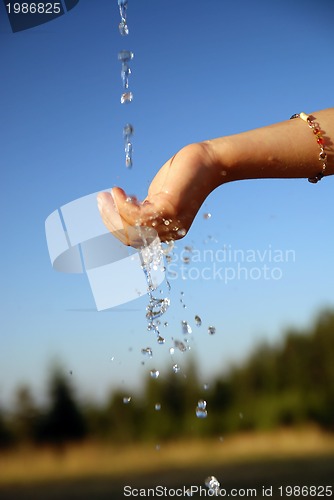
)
(284, 150)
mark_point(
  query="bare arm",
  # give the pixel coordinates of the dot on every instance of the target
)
(284, 150)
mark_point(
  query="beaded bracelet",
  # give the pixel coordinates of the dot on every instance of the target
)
(316, 129)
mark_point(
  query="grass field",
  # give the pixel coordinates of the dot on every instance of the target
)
(91, 459)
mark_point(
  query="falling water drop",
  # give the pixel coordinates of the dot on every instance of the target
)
(126, 400)
(157, 406)
(147, 351)
(180, 345)
(128, 149)
(211, 330)
(125, 56)
(157, 307)
(198, 320)
(186, 328)
(207, 216)
(126, 97)
(212, 483)
(154, 374)
(201, 413)
(176, 368)
(123, 27)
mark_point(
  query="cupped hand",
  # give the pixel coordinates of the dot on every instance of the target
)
(173, 200)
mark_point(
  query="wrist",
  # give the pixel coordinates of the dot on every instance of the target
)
(221, 160)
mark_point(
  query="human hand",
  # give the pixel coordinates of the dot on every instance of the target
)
(173, 200)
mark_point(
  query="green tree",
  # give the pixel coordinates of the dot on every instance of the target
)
(63, 421)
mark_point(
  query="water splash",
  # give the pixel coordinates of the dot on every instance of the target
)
(156, 308)
(123, 27)
(153, 258)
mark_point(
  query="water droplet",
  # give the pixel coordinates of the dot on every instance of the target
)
(127, 131)
(157, 307)
(157, 447)
(165, 323)
(185, 259)
(201, 404)
(166, 222)
(168, 247)
(180, 345)
(112, 359)
(160, 340)
(123, 28)
(201, 413)
(211, 330)
(126, 97)
(126, 400)
(241, 415)
(157, 406)
(171, 351)
(187, 248)
(212, 483)
(176, 368)
(206, 387)
(125, 55)
(154, 374)
(147, 351)
(186, 328)
(198, 320)
(207, 216)
(182, 232)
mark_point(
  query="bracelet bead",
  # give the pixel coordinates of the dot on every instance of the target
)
(316, 129)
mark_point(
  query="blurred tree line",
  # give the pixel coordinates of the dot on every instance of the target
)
(290, 383)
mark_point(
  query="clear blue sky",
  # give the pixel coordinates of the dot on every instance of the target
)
(201, 70)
